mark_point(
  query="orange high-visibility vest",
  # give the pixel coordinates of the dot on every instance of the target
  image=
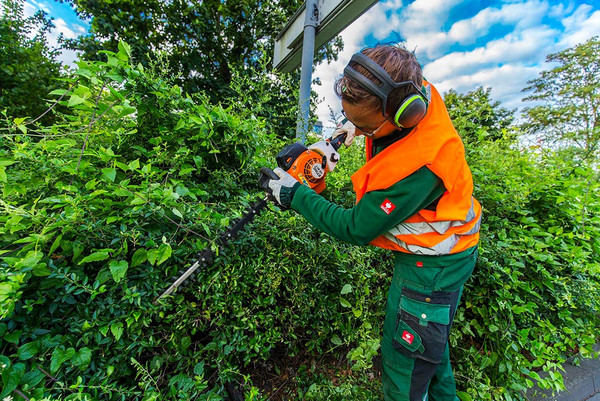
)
(434, 143)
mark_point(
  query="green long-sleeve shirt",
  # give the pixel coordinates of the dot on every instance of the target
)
(367, 219)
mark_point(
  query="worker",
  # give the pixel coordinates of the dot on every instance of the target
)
(414, 197)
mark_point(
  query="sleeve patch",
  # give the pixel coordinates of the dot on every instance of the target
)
(387, 206)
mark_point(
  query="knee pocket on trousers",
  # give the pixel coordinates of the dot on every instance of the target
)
(423, 323)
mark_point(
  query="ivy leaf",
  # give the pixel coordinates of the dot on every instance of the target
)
(118, 269)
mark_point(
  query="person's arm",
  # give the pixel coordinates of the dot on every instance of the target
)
(369, 218)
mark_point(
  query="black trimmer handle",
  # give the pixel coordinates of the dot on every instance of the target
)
(338, 140)
(266, 175)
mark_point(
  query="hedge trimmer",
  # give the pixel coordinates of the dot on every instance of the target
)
(308, 165)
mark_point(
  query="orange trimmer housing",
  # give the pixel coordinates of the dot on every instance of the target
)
(307, 166)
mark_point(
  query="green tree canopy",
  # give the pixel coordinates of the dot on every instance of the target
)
(28, 66)
(568, 96)
(476, 116)
(206, 43)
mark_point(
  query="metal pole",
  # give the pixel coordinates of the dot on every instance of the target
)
(311, 22)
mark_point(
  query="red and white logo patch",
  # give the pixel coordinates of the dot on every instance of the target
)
(387, 206)
(406, 336)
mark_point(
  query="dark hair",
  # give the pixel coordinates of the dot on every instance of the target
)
(399, 63)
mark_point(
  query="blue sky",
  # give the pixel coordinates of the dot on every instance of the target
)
(461, 45)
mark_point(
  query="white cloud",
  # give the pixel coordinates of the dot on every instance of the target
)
(580, 26)
(527, 47)
(505, 63)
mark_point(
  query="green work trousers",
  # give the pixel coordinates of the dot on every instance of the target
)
(421, 305)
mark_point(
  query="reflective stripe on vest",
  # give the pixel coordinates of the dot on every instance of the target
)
(439, 227)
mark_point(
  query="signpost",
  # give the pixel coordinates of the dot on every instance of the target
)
(315, 23)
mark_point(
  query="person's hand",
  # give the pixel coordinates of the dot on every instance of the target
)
(282, 188)
(346, 128)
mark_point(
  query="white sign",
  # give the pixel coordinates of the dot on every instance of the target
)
(334, 16)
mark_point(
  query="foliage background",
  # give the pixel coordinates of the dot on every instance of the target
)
(102, 206)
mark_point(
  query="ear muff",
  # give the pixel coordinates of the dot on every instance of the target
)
(411, 110)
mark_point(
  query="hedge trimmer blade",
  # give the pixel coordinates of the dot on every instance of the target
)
(206, 257)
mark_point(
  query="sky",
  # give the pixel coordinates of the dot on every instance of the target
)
(462, 45)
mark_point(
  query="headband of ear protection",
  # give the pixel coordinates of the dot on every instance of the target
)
(411, 110)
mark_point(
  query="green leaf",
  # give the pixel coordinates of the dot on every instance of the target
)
(336, 340)
(347, 289)
(13, 337)
(177, 213)
(33, 377)
(84, 72)
(55, 245)
(199, 369)
(345, 303)
(125, 48)
(163, 253)
(95, 257)
(6, 162)
(464, 396)
(110, 173)
(139, 257)
(83, 358)
(117, 330)
(30, 260)
(28, 350)
(118, 269)
(134, 165)
(3, 177)
(60, 356)
(41, 270)
(74, 100)
(11, 379)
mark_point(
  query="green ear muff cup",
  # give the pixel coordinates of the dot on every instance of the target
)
(410, 112)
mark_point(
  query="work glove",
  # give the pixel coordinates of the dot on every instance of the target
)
(281, 188)
(346, 127)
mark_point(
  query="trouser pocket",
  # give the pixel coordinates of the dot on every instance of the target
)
(423, 323)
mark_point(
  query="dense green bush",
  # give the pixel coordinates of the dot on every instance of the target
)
(532, 301)
(102, 209)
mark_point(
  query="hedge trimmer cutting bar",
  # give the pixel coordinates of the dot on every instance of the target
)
(206, 257)
(308, 165)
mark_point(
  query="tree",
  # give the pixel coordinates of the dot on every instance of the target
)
(476, 116)
(28, 66)
(205, 40)
(568, 96)
(206, 44)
